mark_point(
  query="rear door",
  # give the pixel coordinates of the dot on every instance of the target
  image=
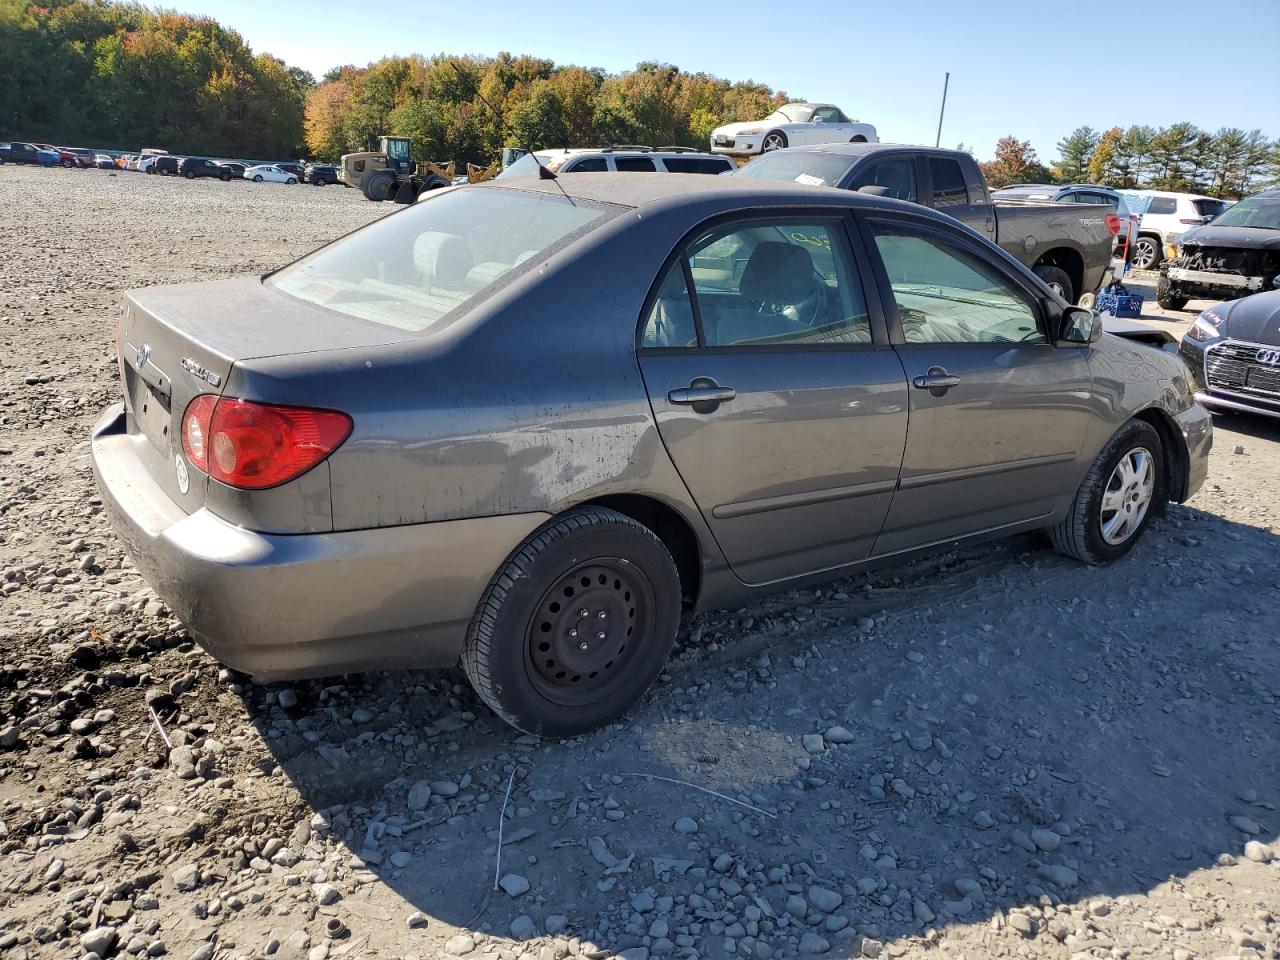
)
(949, 191)
(997, 412)
(776, 392)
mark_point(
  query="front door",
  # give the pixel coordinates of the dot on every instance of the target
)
(776, 393)
(997, 412)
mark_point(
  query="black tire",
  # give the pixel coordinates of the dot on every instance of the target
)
(773, 140)
(1168, 296)
(224, 177)
(292, 180)
(189, 175)
(1057, 279)
(523, 654)
(68, 164)
(1147, 253)
(378, 185)
(257, 178)
(1080, 534)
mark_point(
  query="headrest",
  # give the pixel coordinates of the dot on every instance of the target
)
(442, 258)
(778, 272)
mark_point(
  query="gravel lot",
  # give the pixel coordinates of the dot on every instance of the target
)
(995, 752)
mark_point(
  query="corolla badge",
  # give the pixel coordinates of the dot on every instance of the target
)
(143, 354)
(199, 372)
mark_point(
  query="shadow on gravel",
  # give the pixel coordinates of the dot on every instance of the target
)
(1021, 729)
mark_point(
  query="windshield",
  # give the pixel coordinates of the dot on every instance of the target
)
(1260, 212)
(410, 269)
(817, 169)
(398, 149)
(792, 113)
(526, 166)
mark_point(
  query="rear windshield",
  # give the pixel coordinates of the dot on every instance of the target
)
(410, 269)
(818, 169)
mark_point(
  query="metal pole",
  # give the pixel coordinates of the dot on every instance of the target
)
(945, 83)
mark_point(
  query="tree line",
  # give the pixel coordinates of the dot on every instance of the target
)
(122, 76)
(467, 108)
(1229, 163)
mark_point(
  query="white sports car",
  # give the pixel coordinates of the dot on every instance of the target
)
(791, 125)
(269, 173)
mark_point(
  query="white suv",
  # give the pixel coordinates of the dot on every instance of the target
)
(1166, 216)
(627, 159)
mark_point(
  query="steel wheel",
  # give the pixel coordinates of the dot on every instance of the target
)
(774, 141)
(582, 630)
(1127, 496)
(1145, 253)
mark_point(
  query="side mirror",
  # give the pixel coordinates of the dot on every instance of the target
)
(1079, 325)
(816, 120)
(873, 190)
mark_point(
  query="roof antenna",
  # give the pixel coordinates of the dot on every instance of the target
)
(543, 172)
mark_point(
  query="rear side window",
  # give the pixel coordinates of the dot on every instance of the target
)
(948, 183)
(762, 284)
(1163, 205)
(412, 268)
(589, 165)
(1208, 208)
(634, 164)
(896, 174)
(696, 165)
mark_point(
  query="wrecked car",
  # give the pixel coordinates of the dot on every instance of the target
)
(530, 425)
(1235, 255)
(1233, 350)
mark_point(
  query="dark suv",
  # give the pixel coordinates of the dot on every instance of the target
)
(166, 166)
(193, 167)
(319, 174)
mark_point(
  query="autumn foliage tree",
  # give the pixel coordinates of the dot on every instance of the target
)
(1015, 162)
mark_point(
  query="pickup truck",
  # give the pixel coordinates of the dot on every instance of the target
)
(16, 152)
(1068, 245)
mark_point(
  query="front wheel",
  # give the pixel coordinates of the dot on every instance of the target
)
(292, 180)
(189, 175)
(774, 140)
(224, 177)
(1167, 295)
(1114, 504)
(576, 625)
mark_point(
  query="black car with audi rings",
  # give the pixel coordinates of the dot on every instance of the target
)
(1233, 352)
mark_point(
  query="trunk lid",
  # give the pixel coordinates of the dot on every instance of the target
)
(178, 342)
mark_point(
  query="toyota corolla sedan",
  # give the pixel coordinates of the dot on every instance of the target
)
(527, 425)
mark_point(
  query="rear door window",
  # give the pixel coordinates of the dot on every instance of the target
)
(710, 165)
(1209, 208)
(1162, 205)
(948, 183)
(634, 164)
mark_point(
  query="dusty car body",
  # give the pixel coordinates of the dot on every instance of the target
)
(1235, 255)
(517, 396)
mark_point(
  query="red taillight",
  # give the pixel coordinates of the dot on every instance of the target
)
(258, 445)
(1113, 224)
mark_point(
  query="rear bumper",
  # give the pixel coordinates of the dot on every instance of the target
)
(279, 606)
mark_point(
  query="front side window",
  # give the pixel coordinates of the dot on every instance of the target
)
(945, 294)
(895, 174)
(763, 284)
(589, 165)
(633, 164)
(828, 115)
(409, 270)
(948, 183)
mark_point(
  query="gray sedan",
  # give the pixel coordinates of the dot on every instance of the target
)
(527, 426)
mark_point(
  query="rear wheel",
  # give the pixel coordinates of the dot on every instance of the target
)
(257, 178)
(1168, 295)
(1146, 253)
(774, 140)
(189, 175)
(1056, 279)
(576, 625)
(1114, 504)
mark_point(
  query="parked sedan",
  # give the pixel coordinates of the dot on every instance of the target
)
(270, 173)
(104, 161)
(1233, 350)
(526, 425)
(234, 167)
(792, 124)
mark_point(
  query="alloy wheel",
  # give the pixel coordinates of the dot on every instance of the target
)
(1144, 254)
(773, 141)
(1127, 496)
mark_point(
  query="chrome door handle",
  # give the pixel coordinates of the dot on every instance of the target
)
(702, 390)
(937, 381)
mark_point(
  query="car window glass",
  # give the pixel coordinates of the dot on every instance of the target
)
(768, 284)
(945, 294)
(710, 165)
(948, 183)
(1209, 208)
(634, 164)
(589, 165)
(896, 174)
(828, 114)
(1162, 205)
(670, 321)
(815, 169)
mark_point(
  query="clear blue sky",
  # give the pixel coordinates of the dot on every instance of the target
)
(1033, 68)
